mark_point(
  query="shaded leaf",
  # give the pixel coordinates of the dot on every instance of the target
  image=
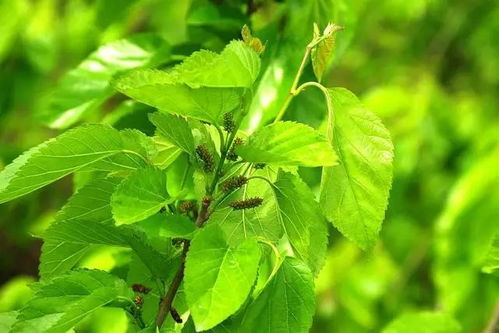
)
(87, 86)
(302, 220)
(59, 304)
(175, 129)
(140, 195)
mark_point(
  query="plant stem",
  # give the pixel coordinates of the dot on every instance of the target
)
(292, 92)
(494, 320)
(167, 301)
(203, 215)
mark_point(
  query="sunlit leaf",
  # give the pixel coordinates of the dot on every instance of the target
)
(288, 143)
(175, 129)
(98, 147)
(354, 194)
(218, 278)
(286, 305)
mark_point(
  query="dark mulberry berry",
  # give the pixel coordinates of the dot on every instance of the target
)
(245, 204)
(205, 156)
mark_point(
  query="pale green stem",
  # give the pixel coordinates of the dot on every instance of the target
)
(294, 91)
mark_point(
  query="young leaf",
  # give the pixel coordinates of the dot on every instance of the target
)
(322, 52)
(59, 304)
(87, 86)
(218, 278)
(175, 129)
(354, 195)
(302, 220)
(140, 195)
(286, 305)
(253, 42)
(98, 147)
(288, 143)
(431, 322)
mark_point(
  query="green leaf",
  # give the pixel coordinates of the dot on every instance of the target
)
(322, 52)
(161, 90)
(175, 129)
(302, 220)
(492, 260)
(288, 143)
(60, 256)
(140, 195)
(159, 264)
(238, 65)
(354, 195)
(86, 221)
(218, 278)
(423, 322)
(7, 320)
(95, 147)
(262, 221)
(87, 86)
(167, 153)
(205, 86)
(169, 226)
(59, 304)
(286, 305)
(177, 226)
(91, 204)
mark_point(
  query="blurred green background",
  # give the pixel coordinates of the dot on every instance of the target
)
(429, 68)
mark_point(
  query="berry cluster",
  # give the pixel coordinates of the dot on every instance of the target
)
(206, 157)
(233, 183)
(245, 204)
(229, 124)
(140, 288)
(187, 206)
(231, 155)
